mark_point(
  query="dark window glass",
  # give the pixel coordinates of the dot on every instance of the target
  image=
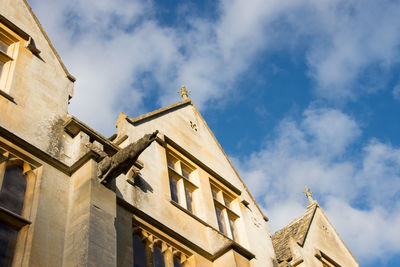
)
(185, 172)
(221, 220)
(13, 189)
(158, 258)
(189, 199)
(176, 263)
(139, 252)
(173, 184)
(214, 192)
(8, 239)
(171, 163)
(3, 47)
(227, 201)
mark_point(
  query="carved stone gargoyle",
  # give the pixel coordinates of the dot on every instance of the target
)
(111, 167)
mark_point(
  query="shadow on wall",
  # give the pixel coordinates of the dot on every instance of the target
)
(141, 183)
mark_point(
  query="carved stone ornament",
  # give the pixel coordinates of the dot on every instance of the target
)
(111, 167)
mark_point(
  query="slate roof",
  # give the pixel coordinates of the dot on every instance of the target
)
(297, 230)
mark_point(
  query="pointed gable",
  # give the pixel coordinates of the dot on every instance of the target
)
(311, 238)
(296, 230)
(188, 168)
(183, 124)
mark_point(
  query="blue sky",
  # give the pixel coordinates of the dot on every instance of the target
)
(298, 92)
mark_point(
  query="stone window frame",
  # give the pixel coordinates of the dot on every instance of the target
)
(169, 252)
(224, 201)
(15, 38)
(8, 58)
(325, 259)
(183, 172)
(22, 222)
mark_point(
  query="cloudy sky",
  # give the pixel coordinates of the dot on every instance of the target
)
(298, 92)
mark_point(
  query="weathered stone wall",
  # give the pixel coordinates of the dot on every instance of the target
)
(39, 86)
(50, 218)
(152, 194)
(323, 237)
(90, 239)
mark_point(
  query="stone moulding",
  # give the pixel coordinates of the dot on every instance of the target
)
(30, 43)
(157, 113)
(73, 126)
(44, 156)
(155, 240)
(203, 166)
(7, 96)
(231, 245)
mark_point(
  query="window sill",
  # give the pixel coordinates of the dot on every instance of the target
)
(13, 218)
(190, 214)
(7, 96)
(5, 57)
(200, 220)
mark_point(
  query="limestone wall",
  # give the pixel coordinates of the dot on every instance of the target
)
(38, 84)
(322, 240)
(153, 196)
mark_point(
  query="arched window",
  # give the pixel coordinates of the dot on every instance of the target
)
(13, 187)
(14, 177)
(8, 240)
(177, 263)
(139, 252)
(152, 251)
(158, 257)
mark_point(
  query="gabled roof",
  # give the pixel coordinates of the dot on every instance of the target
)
(296, 230)
(162, 111)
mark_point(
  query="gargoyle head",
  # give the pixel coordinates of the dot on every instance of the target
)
(151, 137)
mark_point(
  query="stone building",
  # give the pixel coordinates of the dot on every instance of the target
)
(311, 240)
(72, 197)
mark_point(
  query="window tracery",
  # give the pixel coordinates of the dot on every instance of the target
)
(181, 183)
(16, 180)
(8, 49)
(151, 251)
(226, 217)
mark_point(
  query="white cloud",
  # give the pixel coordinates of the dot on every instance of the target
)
(396, 92)
(372, 233)
(112, 45)
(318, 152)
(355, 34)
(107, 57)
(332, 131)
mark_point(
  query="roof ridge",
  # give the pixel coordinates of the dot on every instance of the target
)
(159, 111)
(308, 210)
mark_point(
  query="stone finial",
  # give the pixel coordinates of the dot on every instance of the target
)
(309, 195)
(184, 92)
